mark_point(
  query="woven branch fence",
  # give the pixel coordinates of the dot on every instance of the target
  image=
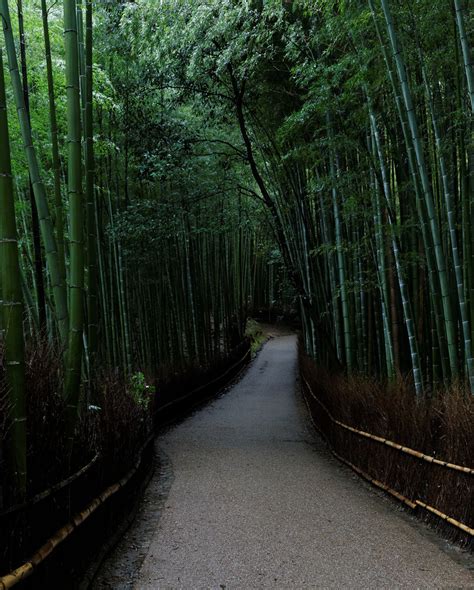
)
(437, 489)
(63, 553)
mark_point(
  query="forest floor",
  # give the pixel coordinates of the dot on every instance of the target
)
(247, 496)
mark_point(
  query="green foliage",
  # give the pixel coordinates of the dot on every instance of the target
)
(254, 331)
(141, 393)
(251, 155)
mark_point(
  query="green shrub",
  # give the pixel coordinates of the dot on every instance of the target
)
(140, 391)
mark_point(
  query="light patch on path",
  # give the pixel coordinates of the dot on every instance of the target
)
(256, 501)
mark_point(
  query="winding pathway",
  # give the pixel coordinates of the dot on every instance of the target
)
(248, 498)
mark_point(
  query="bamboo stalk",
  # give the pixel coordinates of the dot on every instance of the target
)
(449, 324)
(76, 241)
(11, 308)
(46, 225)
(466, 51)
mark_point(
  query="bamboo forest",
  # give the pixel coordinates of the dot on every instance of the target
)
(267, 199)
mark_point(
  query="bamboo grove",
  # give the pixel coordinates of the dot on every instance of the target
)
(168, 168)
(355, 121)
(120, 263)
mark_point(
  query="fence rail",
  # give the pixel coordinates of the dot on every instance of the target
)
(390, 443)
(53, 489)
(28, 568)
(413, 504)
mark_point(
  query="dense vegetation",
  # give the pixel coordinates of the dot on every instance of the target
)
(168, 168)
(354, 121)
(137, 252)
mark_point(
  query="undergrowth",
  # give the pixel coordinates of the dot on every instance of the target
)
(254, 332)
(113, 423)
(441, 425)
(117, 417)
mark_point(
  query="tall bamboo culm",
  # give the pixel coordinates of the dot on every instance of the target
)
(76, 217)
(12, 304)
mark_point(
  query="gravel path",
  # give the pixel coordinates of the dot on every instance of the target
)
(255, 500)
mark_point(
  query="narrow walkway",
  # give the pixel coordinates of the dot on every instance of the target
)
(256, 501)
